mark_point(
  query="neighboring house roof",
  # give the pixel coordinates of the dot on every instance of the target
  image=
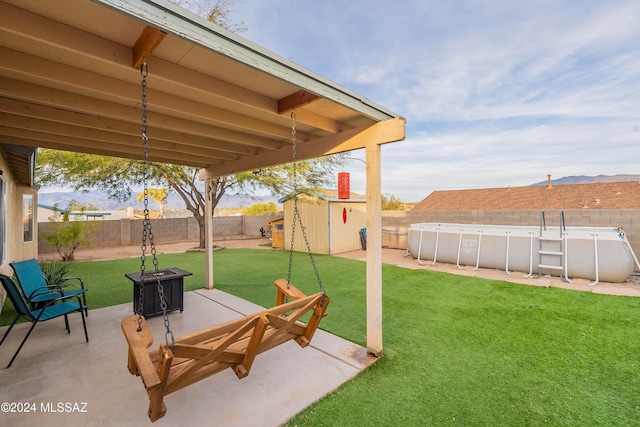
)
(328, 195)
(600, 195)
(88, 214)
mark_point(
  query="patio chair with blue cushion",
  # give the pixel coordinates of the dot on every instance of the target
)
(35, 287)
(60, 306)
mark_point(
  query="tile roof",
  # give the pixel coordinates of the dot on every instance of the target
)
(600, 195)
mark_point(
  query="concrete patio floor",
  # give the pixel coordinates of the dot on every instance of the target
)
(92, 382)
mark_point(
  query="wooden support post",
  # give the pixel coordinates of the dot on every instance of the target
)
(208, 229)
(374, 250)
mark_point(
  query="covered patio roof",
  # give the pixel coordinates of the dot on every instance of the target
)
(70, 80)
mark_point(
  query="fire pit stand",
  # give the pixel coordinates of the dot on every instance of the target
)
(171, 280)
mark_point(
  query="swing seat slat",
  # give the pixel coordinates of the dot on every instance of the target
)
(233, 344)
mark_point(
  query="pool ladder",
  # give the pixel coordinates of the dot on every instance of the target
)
(553, 248)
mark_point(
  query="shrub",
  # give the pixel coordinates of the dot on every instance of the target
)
(67, 235)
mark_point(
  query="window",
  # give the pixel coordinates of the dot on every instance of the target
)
(27, 217)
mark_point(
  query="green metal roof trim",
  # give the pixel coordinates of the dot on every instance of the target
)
(75, 213)
(182, 23)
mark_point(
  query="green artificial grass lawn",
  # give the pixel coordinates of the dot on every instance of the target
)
(457, 350)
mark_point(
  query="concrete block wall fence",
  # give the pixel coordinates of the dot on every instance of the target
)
(128, 232)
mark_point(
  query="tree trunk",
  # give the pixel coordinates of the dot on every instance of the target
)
(202, 233)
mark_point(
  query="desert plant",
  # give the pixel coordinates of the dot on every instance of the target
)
(55, 274)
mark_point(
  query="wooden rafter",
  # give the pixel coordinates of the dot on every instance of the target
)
(296, 99)
(146, 44)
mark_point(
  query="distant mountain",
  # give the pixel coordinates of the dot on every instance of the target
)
(102, 202)
(583, 179)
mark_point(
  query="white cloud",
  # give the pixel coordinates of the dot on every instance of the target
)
(496, 93)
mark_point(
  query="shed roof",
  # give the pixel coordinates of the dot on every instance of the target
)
(70, 80)
(601, 195)
(329, 196)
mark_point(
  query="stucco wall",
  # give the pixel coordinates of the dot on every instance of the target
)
(16, 249)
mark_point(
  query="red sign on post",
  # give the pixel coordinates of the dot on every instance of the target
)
(344, 186)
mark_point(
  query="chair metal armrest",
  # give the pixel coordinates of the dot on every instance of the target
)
(65, 298)
(79, 279)
(45, 290)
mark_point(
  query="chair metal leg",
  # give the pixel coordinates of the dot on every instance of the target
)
(33, 325)
(84, 301)
(66, 324)
(84, 323)
(9, 330)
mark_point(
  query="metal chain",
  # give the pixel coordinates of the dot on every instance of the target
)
(296, 212)
(295, 193)
(147, 232)
(144, 71)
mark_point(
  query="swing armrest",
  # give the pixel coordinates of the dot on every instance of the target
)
(286, 291)
(139, 360)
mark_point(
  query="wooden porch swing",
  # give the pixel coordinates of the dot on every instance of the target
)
(234, 344)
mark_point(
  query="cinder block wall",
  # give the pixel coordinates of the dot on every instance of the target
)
(126, 232)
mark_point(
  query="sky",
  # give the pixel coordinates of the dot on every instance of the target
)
(496, 93)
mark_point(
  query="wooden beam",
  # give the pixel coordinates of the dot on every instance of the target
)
(57, 142)
(98, 51)
(86, 137)
(380, 133)
(104, 110)
(96, 86)
(295, 100)
(146, 44)
(162, 138)
(55, 35)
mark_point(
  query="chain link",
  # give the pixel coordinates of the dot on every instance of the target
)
(147, 232)
(296, 212)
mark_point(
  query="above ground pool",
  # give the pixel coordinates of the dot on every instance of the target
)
(594, 253)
